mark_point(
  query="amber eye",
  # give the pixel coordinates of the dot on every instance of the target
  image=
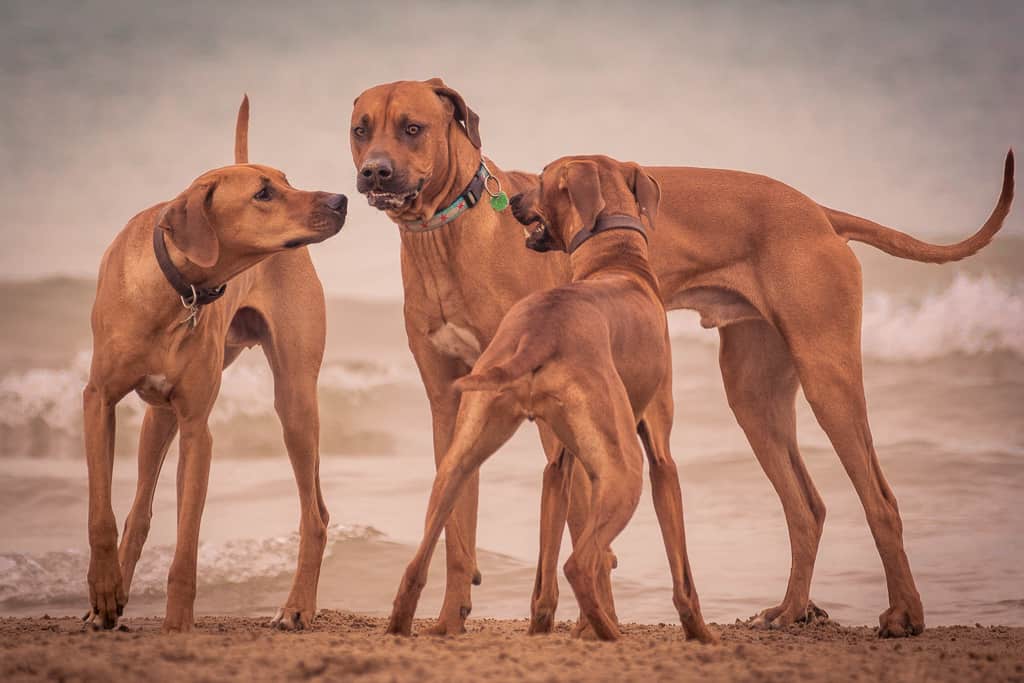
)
(263, 195)
(359, 131)
(412, 129)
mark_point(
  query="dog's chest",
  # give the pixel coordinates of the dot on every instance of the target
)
(155, 390)
(456, 341)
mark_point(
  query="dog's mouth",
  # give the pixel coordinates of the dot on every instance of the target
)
(323, 227)
(539, 239)
(393, 201)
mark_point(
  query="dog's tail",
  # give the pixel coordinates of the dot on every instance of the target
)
(529, 355)
(903, 245)
(242, 132)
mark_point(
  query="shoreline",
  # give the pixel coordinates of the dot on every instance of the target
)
(345, 646)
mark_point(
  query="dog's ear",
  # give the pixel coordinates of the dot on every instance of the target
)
(463, 114)
(647, 192)
(582, 181)
(187, 224)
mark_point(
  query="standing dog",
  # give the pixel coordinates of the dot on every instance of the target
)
(766, 265)
(183, 289)
(587, 360)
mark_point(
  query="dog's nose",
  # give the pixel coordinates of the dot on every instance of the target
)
(377, 168)
(337, 202)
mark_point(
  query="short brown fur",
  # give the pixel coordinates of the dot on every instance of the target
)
(591, 361)
(216, 231)
(763, 263)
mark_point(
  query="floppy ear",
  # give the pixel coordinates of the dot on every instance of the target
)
(582, 180)
(647, 192)
(463, 114)
(186, 222)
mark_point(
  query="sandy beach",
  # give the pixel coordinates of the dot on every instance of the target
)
(344, 646)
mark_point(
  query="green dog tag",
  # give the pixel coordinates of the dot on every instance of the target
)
(499, 202)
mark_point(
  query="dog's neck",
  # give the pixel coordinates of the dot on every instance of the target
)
(614, 251)
(463, 163)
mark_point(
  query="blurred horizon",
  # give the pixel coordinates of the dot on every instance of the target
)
(900, 113)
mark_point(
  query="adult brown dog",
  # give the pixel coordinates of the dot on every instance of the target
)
(592, 361)
(763, 263)
(183, 289)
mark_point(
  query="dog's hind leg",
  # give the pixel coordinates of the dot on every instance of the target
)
(761, 385)
(654, 430)
(485, 421)
(558, 475)
(293, 342)
(158, 429)
(600, 427)
(827, 353)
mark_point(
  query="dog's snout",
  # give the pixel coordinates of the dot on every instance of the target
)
(377, 168)
(516, 204)
(337, 202)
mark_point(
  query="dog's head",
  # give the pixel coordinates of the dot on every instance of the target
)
(574, 191)
(405, 137)
(246, 212)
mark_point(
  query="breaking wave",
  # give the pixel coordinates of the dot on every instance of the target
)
(972, 316)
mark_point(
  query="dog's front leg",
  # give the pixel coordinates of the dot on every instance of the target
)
(196, 448)
(106, 591)
(439, 372)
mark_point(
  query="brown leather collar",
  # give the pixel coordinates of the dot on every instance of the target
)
(603, 224)
(191, 296)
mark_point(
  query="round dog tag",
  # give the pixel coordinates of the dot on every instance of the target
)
(499, 202)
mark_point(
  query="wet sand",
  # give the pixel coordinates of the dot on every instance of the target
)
(345, 646)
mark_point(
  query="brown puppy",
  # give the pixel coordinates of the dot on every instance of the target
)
(164, 327)
(586, 359)
(760, 261)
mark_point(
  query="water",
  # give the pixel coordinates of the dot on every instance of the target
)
(945, 384)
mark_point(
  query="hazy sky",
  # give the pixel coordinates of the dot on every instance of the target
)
(901, 112)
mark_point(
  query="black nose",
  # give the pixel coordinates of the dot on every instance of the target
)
(337, 202)
(377, 168)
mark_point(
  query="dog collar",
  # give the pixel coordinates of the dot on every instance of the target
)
(604, 224)
(192, 297)
(464, 202)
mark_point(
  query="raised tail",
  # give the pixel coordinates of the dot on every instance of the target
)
(242, 132)
(529, 355)
(903, 245)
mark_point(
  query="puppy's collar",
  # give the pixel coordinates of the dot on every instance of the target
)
(192, 297)
(463, 203)
(604, 224)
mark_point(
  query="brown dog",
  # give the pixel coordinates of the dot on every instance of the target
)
(183, 289)
(587, 359)
(763, 263)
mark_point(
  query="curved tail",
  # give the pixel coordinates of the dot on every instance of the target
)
(242, 132)
(903, 245)
(529, 355)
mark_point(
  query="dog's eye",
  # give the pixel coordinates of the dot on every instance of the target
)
(263, 195)
(413, 129)
(359, 131)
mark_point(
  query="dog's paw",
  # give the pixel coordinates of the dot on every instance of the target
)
(900, 622)
(542, 621)
(106, 591)
(292, 619)
(782, 616)
(89, 623)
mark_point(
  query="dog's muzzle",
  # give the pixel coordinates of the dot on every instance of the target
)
(538, 237)
(382, 199)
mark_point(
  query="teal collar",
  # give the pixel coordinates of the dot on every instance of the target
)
(464, 202)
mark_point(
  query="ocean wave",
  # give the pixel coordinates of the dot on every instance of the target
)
(972, 316)
(41, 408)
(60, 577)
